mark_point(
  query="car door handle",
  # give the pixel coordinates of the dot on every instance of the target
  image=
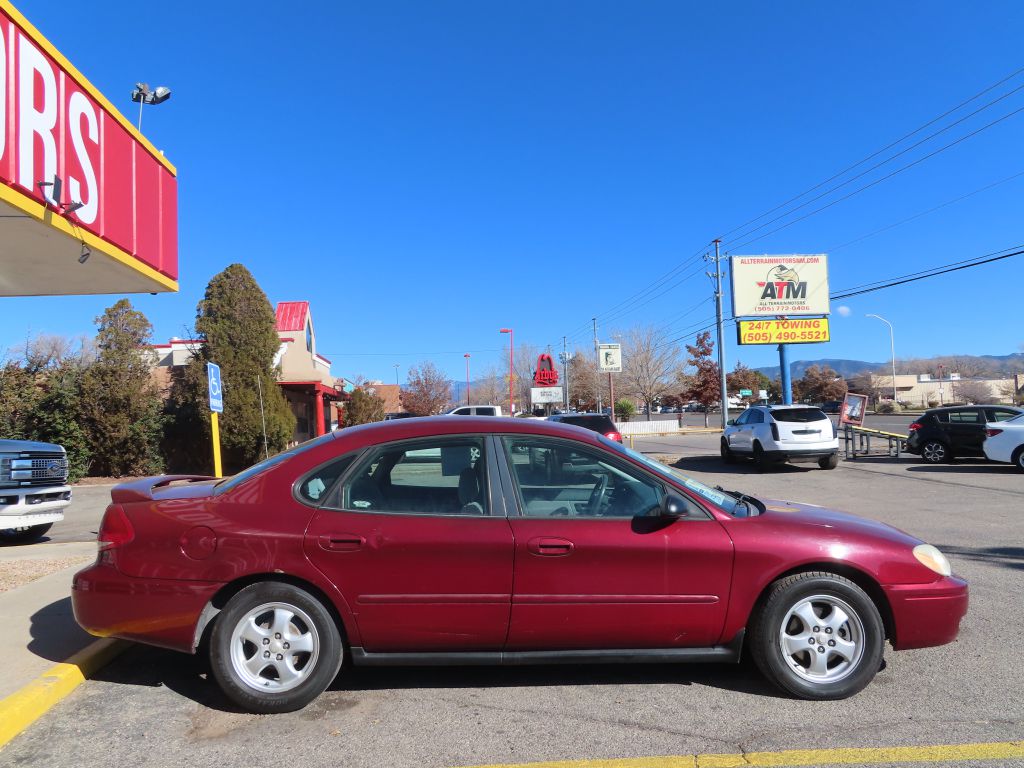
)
(549, 547)
(340, 542)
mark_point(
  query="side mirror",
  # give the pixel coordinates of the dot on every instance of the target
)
(731, 423)
(673, 506)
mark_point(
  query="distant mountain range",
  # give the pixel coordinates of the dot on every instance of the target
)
(966, 365)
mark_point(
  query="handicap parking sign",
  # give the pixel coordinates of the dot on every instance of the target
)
(216, 389)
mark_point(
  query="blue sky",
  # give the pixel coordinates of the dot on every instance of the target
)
(425, 173)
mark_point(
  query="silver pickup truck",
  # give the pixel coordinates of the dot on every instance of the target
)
(33, 489)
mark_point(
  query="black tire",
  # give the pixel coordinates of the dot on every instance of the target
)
(1018, 459)
(727, 455)
(234, 657)
(936, 452)
(24, 535)
(829, 462)
(845, 618)
(760, 460)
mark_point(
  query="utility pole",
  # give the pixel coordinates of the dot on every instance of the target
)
(717, 275)
(597, 372)
(565, 373)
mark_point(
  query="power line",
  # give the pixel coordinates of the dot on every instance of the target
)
(880, 180)
(878, 152)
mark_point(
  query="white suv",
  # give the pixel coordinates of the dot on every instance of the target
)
(782, 433)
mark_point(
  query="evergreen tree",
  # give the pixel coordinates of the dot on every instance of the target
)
(55, 418)
(119, 404)
(363, 408)
(18, 398)
(235, 323)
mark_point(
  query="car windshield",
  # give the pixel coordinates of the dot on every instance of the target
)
(725, 500)
(801, 415)
(232, 481)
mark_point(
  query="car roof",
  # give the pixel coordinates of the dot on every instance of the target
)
(947, 408)
(787, 407)
(427, 426)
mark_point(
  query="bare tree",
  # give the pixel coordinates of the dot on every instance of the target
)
(491, 388)
(972, 391)
(427, 391)
(1010, 392)
(583, 380)
(650, 365)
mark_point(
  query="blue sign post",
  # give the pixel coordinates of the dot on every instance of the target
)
(216, 407)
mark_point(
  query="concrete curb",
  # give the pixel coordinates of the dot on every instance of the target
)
(23, 707)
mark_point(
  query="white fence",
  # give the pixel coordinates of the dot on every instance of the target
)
(664, 426)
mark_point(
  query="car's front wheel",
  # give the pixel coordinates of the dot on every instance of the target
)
(23, 535)
(935, 452)
(1018, 458)
(818, 636)
(274, 648)
(727, 455)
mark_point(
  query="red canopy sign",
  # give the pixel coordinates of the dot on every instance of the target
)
(546, 374)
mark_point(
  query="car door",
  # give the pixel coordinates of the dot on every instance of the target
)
(739, 435)
(415, 540)
(966, 431)
(596, 565)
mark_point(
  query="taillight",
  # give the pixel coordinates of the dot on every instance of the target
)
(775, 431)
(914, 427)
(115, 530)
(993, 432)
(613, 436)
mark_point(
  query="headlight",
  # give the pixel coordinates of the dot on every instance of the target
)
(932, 559)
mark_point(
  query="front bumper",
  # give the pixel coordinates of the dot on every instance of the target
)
(25, 507)
(927, 614)
(161, 612)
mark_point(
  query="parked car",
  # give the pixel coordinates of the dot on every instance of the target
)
(775, 433)
(474, 541)
(832, 406)
(943, 434)
(595, 422)
(1004, 441)
(34, 490)
(475, 410)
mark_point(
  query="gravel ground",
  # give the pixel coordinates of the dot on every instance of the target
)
(15, 573)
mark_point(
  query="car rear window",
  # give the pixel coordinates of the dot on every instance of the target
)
(595, 423)
(799, 415)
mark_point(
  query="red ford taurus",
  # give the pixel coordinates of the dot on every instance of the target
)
(499, 541)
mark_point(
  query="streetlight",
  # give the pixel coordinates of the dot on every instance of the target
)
(467, 377)
(142, 94)
(396, 375)
(510, 369)
(892, 347)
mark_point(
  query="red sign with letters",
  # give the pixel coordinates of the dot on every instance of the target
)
(53, 123)
(546, 374)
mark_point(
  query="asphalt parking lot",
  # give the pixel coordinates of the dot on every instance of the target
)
(156, 708)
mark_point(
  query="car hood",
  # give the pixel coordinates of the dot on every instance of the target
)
(801, 515)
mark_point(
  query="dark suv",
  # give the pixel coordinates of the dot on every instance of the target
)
(942, 434)
(595, 422)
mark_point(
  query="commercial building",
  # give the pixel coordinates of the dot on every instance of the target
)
(923, 390)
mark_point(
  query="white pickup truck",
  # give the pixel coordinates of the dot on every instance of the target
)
(34, 489)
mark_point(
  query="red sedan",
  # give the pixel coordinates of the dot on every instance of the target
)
(500, 541)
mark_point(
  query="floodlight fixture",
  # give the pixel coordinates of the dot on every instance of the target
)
(85, 254)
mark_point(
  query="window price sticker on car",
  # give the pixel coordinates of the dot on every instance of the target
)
(704, 491)
(803, 330)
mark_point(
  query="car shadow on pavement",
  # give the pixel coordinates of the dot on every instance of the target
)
(1005, 557)
(188, 676)
(55, 635)
(964, 468)
(17, 544)
(741, 467)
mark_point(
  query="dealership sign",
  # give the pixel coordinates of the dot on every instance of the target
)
(70, 161)
(809, 330)
(765, 286)
(609, 358)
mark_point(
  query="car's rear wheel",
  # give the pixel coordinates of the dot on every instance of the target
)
(818, 636)
(727, 455)
(1018, 458)
(935, 452)
(23, 535)
(274, 648)
(829, 462)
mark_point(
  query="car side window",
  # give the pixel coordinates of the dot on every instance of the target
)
(999, 414)
(442, 476)
(756, 417)
(964, 417)
(743, 418)
(315, 486)
(557, 479)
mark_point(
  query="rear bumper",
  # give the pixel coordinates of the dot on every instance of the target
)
(927, 614)
(161, 612)
(810, 454)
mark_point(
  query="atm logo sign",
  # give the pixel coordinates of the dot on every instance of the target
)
(53, 123)
(783, 283)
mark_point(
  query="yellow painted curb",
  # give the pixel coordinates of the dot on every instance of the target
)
(22, 708)
(942, 753)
